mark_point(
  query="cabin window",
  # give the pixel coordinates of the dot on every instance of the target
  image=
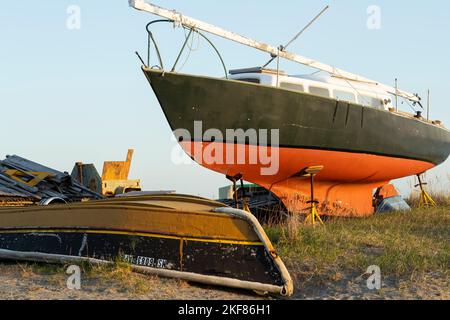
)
(370, 101)
(319, 91)
(292, 86)
(344, 95)
(377, 103)
(252, 80)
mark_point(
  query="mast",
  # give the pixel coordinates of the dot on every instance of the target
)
(274, 51)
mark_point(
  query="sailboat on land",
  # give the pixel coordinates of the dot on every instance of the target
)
(346, 123)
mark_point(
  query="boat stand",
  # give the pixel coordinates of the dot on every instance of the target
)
(313, 214)
(244, 198)
(425, 198)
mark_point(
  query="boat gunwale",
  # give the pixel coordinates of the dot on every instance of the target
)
(132, 206)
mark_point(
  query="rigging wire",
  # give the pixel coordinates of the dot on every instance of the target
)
(190, 46)
(283, 48)
(315, 72)
(359, 94)
(412, 108)
(192, 42)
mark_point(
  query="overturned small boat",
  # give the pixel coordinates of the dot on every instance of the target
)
(169, 235)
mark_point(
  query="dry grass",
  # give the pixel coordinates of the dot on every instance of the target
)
(121, 274)
(442, 199)
(292, 227)
(404, 245)
(436, 186)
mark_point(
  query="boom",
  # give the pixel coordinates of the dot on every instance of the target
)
(274, 51)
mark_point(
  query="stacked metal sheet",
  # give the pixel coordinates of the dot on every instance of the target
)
(22, 180)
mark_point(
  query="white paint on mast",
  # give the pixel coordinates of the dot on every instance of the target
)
(274, 51)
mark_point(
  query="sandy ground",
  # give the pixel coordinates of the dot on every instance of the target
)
(20, 281)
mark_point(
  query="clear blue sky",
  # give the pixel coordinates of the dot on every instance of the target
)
(79, 95)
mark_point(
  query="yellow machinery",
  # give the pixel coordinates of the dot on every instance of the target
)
(115, 177)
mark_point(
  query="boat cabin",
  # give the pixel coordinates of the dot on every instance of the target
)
(325, 86)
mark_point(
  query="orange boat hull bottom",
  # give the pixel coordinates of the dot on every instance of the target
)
(344, 187)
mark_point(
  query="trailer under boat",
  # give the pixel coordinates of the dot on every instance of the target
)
(170, 235)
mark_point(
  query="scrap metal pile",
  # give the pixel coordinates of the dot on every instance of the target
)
(25, 182)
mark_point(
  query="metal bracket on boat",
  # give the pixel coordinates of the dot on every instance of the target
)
(151, 40)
